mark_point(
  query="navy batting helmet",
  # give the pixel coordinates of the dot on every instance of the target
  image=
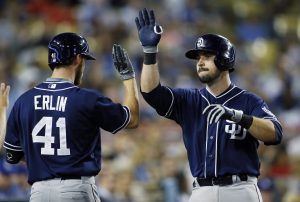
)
(65, 46)
(218, 45)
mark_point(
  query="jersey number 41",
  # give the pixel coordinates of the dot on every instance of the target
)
(47, 139)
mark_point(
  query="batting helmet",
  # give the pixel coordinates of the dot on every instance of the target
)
(65, 46)
(218, 45)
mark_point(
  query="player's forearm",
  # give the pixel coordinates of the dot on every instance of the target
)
(149, 77)
(263, 130)
(4, 103)
(131, 100)
(2, 125)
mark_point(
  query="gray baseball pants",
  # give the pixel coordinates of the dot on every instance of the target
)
(237, 192)
(65, 190)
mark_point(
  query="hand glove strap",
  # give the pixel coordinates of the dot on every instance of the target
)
(237, 115)
(150, 49)
(242, 119)
(127, 76)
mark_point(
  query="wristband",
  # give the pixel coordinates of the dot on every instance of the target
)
(150, 49)
(246, 121)
(149, 58)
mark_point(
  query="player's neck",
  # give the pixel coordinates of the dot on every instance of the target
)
(220, 85)
(63, 73)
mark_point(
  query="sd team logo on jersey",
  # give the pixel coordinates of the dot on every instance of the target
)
(235, 131)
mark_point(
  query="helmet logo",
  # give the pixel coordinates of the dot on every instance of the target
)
(200, 43)
(53, 57)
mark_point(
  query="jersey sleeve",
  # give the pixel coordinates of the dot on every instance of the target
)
(167, 102)
(12, 143)
(161, 99)
(111, 116)
(261, 110)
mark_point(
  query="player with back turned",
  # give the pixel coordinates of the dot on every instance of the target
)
(222, 124)
(56, 125)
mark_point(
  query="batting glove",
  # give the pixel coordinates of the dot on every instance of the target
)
(122, 63)
(149, 31)
(217, 112)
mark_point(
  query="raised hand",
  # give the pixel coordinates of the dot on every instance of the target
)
(122, 62)
(217, 112)
(149, 31)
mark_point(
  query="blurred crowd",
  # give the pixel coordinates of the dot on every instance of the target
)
(149, 163)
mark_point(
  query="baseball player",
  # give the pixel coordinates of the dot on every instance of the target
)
(4, 103)
(222, 124)
(55, 126)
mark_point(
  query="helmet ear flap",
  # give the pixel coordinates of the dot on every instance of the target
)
(223, 63)
(225, 58)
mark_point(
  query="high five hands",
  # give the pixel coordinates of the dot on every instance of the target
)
(122, 62)
(149, 31)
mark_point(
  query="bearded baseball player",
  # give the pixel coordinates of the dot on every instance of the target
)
(222, 124)
(56, 125)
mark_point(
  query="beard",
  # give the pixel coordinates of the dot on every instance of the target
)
(78, 75)
(209, 78)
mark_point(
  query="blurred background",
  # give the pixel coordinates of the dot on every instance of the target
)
(149, 164)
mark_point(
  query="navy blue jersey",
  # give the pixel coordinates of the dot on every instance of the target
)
(220, 148)
(57, 126)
